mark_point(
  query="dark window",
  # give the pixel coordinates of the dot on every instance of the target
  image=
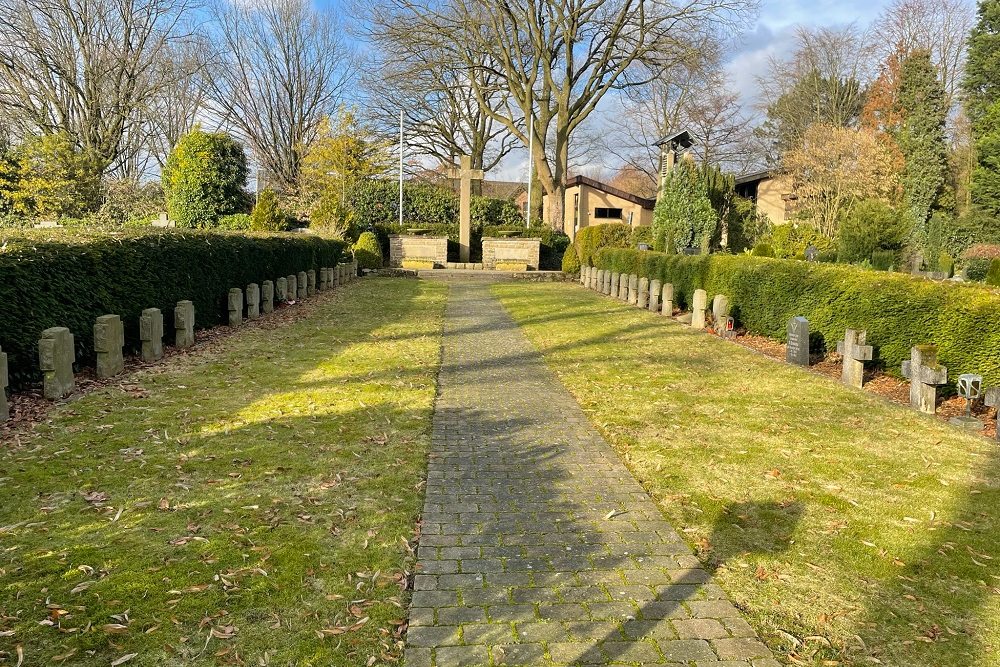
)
(608, 213)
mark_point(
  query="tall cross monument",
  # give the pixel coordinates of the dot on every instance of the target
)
(465, 174)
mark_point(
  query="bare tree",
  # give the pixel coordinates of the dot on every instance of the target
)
(174, 111)
(87, 68)
(278, 67)
(555, 59)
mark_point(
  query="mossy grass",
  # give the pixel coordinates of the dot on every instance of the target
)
(848, 529)
(250, 504)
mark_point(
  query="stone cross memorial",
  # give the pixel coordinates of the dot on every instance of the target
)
(184, 324)
(302, 285)
(855, 354)
(667, 308)
(643, 295)
(56, 355)
(267, 296)
(235, 307)
(992, 399)
(4, 381)
(925, 374)
(698, 306)
(465, 174)
(655, 287)
(151, 334)
(797, 349)
(109, 339)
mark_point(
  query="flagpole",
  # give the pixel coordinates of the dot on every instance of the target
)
(400, 167)
(531, 144)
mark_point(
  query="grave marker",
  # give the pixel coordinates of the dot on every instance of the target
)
(655, 286)
(925, 374)
(855, 354)
(281, 288)
(292, 286)
(623, 287)
(184, 324)
(311, 282)
(253, 301)
(699, 304)
(720, 311)
(151, 334)
(56, 354)
(302, 285)
(667, 308)
(992, 399)
(321, 279)
(267, 296)
(633, 288)
(598, 281)
(465, 174)
(4, 381)
(607, 283)
(642, 298)
(615, 284)
(797, 349)
(235, 307)
(109, 339)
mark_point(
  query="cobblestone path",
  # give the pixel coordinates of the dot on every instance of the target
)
(538, 547)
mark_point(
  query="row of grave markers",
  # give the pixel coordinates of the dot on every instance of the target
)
(922, 369)
(57, 352)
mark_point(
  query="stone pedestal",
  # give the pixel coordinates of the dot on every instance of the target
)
(633, 289)
(56, 354)
(253, 301)
(667, 307)
(501, 252)
(235, 307)
(267, 296)
(655, 286)
(698, 306)
(925, 374)
(184, 324)
(643, 295)
(151, 334)
(797, 348)
(109, 339)
(855, 354)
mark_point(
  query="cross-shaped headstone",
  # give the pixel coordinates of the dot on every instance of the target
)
(925, 374)
(465, 174)
(855, 354)
(992, 399)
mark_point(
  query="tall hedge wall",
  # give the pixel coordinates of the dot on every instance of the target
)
(898, 311)
(68, 279)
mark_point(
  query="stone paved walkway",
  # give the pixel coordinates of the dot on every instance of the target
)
(538, 546)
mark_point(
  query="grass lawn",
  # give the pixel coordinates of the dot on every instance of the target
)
(250, 504)
(850, 531)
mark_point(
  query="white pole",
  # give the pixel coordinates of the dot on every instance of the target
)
(400, 167)
(531, 144)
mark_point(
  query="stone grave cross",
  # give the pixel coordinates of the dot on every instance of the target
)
(465, 174)
(924, 373)
(992, 399)
(855, 354)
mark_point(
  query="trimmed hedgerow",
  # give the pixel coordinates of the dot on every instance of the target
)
(610, 235)
(571, 261)
(898, 311)
(68, 279)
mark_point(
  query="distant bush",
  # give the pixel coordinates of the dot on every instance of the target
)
(204, 179)
(266, 215)
(76, 276)
(976, 269)
(367, 251)
(897, 310)
(489, 211)
(873, 226)
(591, 239)
(762, 250)
(793, 238)
(993, 275)
(571, 261)
(236, 222)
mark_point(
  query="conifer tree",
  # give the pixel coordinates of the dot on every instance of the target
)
(982, 103)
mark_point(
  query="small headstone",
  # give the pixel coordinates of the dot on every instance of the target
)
(56, 355)
(607, 283)
(855, 353)
(302, 285)
(812, 253)
(281, 289)
(633, 289)
(645, 246)
(925, 374)
(623, 287)
(615, 284)
(797, 349)
(109, 339)
(720, 311)
(151, 334)
(293, 287)
(235, 307)
(354, 269)
(184, 324)
(583, 275)
(699, 304)
(311, 282)
(253, 301)
(970, 387)
(321, 279)
(337, 278)
(667, 307)
(267, 297)
(599, 281)
(992, 399)
(655, 287)
(4, 381)
(642, 298)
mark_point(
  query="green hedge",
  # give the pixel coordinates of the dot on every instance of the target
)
(898, 311)
(68, 279)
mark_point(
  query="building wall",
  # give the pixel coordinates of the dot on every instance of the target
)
(771, 198)
(592, 199)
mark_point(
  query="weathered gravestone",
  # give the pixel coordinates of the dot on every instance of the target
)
(583, 275)
(253, 301)
(109, 339)
(720, 313)
(184, 324)
(623, 287)
(235, 307)
(655, 287)
(855, 354)
(151, 334)
(615, 284)
(925, 374)
(302, 285)
(267, 296)
(281, 288)
(354, 269)
(699, 304)
(598, 281)
(321, 279)
(606, 289)
(311, 282)
(633, 288)
(642, 298)
(4, 381)
(465, 174)
(56, 355)
(292, 286)
(667, 308)
(992, 399)
(797, 349)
